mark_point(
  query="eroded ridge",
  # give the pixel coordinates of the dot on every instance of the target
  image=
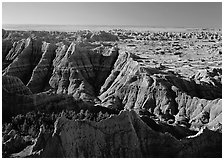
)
(125, 135)
(111, 94)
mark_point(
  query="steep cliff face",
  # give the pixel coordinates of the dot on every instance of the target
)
(6, 46)
(81, 66)
(22, 66)
(15, 50)
(82, 69)
(14, 85)
(125, 135)
(42, 71)
(78, 70)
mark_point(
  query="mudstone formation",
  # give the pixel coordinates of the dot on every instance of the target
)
(111, 94)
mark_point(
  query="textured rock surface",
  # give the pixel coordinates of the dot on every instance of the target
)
(134, 85)
(78, 70)
(14, 85)
(42, 72)
(170, 86)
(111, 138)
(6, 46)
(15, 50)
(82, 69)
(22, 66)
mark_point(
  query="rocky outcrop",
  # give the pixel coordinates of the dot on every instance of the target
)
(200, 112)
(108, 138)
(22, 66)
(13, 142)
(14, 85)
(137, 86)
(79, 71)
(82, 69)
(210, 81)
(15, 50)
(42, 72)
(6, 46)
(111, 138)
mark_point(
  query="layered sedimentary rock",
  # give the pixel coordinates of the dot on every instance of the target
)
(6, 46)
(200, 112)
(42, 72)
(169, 96)
(137, 86)
(15, 50)
(82, 69)
(14, 85)
(22, 66)
(125, 135)
(78, 70)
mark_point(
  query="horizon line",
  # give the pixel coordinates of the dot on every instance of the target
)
(114, 25)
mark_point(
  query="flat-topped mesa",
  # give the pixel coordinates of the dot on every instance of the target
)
(83, 68)
(23, 65)
(133, 85)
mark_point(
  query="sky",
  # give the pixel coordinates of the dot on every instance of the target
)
(160, 14)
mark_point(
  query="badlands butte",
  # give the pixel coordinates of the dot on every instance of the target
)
(117, 93)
